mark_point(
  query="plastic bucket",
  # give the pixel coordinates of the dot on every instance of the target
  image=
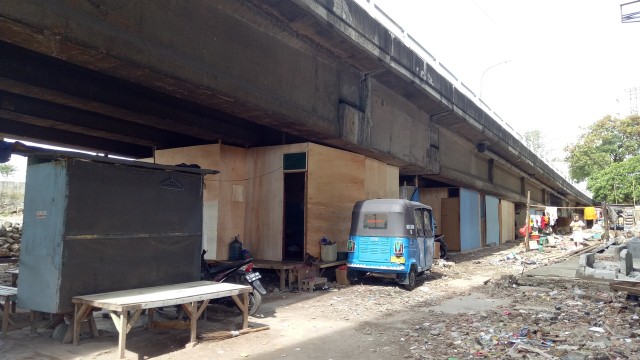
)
(329, 252)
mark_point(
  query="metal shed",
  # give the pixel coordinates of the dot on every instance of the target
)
(92, 225)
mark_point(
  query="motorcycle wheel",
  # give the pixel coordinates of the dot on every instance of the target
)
(443, 251)
(255, 300)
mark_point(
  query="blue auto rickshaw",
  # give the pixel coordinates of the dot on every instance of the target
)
(391, 238)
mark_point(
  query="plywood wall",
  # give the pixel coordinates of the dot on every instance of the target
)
(264, 192)
(381, 181)
(208, 157)
(507, 221)
(335, 181)
(232, 184)
(432, 197)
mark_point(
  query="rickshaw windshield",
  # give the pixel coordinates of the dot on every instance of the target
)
(375, 221)
(379, 224)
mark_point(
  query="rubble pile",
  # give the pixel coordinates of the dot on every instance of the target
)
(10, 238)
(570, 320)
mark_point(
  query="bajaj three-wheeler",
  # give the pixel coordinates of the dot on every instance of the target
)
(391, 238)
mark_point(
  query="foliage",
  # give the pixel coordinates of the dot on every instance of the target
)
(606, 142)
(617, 183)
(534, 141)
(7, 170)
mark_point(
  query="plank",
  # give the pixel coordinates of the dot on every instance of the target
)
(336, 181)
(507, 221)
(231, 200)
(432, 197)
(381, 181)
(265, 189)
(160, 296)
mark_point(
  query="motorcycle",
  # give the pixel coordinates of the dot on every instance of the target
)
(236, 272)
(443, 246)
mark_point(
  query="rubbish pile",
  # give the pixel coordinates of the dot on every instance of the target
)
(574, 320)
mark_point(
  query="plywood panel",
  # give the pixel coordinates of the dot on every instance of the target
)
(335, 182)
(207, 156)
(432, 197)
(231, 209)
(451, 222)
(507, 221)
(381, 181)
(264, 194)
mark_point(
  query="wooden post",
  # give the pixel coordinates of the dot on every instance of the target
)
(527, 222)
(605, 213)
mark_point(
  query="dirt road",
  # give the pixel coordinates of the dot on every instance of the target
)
(466, 310)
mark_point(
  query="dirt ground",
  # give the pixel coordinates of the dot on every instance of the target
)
(467, 307)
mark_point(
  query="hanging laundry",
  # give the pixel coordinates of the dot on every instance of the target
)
(590, 213)
(553, 214)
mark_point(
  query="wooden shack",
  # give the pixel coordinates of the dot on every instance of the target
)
(281, 200)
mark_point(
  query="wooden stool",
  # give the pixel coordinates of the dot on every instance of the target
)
(310, 283)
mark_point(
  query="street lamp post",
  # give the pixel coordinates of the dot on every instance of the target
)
(485, 71)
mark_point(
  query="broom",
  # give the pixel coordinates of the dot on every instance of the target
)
(222, 335)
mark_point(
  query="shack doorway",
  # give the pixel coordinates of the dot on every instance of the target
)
(294, 215)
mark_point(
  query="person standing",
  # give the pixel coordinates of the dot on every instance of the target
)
(576, 226)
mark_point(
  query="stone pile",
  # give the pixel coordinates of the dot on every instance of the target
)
(10, 238)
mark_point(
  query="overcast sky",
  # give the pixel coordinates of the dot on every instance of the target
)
(568, 62)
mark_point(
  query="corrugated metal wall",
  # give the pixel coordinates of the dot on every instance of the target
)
(469, 220)
(493, 222)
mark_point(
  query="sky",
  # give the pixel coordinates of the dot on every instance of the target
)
(563, 64)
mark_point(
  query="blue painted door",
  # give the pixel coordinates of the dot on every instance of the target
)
(469, 220)
(493, 223)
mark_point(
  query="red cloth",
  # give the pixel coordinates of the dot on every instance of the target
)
(524, 230)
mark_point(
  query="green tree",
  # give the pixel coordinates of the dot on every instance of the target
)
(7, 170)
(534, 141)
(606, 142)
(617, 183)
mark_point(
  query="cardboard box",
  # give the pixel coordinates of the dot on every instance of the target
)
(341, 277)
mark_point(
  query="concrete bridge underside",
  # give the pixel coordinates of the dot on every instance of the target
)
(127, 77)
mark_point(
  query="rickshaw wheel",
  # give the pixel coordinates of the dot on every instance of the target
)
(412, 279)
(355, 275)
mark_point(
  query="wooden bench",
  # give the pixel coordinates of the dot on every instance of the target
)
(287, 270)
(8, 296)
(120, 303)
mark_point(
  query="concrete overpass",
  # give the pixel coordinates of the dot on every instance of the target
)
(128, 77)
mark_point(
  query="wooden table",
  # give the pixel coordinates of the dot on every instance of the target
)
(14, 276)
(120, 303)
(323, 265)
(7, 299)
(283, 268)
(9, 260)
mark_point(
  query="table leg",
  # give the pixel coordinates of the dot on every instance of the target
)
(282, 273)
(150, 313)
(5, 316)
(245, 311)
(243, 305)
(193, 315)
(122, 338)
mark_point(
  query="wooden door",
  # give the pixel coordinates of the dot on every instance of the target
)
(450, 215)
